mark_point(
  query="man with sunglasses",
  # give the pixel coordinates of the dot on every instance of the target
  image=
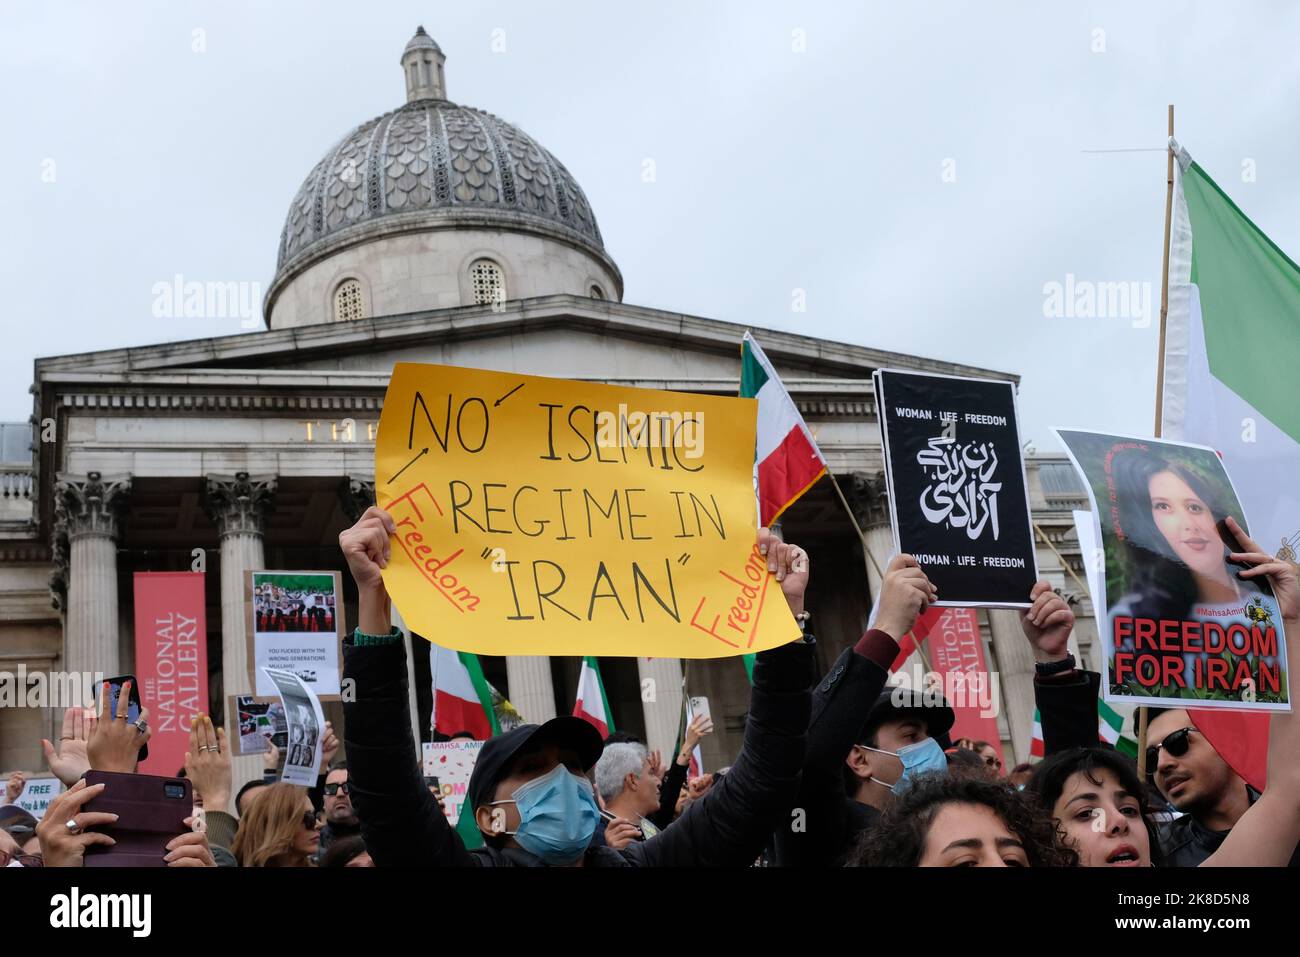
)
(340, 817)
(1196, 781)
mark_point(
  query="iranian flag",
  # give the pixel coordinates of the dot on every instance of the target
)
(592, 705)
(1232, 352)
(787, 461)
(462, 698)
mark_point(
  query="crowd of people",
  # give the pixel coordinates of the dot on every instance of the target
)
(841, 770)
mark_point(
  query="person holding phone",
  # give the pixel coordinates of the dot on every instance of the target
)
(68, 830)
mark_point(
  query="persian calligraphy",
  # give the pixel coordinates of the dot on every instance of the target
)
(961, 493)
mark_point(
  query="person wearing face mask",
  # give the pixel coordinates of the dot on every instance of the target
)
(862, 731)
(530, 793)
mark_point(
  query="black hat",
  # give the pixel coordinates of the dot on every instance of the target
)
(19, 822)
(498, 752)
(895, 704)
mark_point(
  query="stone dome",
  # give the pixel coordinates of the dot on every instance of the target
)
(432, 163)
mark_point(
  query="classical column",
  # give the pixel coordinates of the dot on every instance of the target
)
(237, 505)
(530, 687)
(661, 701)
(87, 513)
(1015, 660)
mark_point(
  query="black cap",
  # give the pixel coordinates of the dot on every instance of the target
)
(18, 822)
(498, 752)
(895, 704)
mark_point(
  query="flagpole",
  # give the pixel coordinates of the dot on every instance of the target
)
(1066, 565)
(1160, 377)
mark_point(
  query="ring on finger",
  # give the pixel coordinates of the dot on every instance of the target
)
(72, 826)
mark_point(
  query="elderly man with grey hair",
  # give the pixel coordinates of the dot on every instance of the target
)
(629, 793)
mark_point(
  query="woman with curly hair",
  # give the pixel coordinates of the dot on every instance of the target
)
(948, 820)
(281, 829)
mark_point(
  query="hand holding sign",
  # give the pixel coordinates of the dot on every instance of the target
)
(528, 515)
(1048, 623)
(367, 547)
(1281, 575)
(904, 594)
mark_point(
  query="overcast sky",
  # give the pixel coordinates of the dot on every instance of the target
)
(917, 169)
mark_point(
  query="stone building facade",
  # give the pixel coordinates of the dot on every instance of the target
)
(435, 233)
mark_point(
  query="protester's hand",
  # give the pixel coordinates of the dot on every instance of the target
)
(700, 725)
(1281, 575)
(70, 763)
(367, 547)
(656, 763)
(905, 592)
(14, 786)
(207, 764)
(696, 788)
(620, 832)
(62, 846)
(329, 746)
(790, 565)
(116, 743)
(271, 756)
(1047, 623)
(189, 850)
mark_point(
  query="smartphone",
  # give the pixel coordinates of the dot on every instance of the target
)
(431, 781)
(700, 706)
(132, 703)
(151, 812)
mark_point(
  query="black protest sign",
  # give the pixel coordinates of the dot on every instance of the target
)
(957, 492)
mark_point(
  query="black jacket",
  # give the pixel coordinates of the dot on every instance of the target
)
(832, 820)
(402, 826)
(1067, 710)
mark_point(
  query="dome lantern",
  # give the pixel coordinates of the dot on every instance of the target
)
(422, 63)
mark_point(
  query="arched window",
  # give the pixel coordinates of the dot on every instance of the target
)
(347, 301)
(487, 281)
(596, 292)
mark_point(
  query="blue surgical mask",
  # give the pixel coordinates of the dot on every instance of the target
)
(557, 815)
(920, 758)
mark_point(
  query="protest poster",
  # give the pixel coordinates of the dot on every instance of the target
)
(305, 720)
(171, 662)
(1178, 627)
(957, 492)
(451, 762)
(541, 516)
(37, 794)
(295, 623)
(255, 719)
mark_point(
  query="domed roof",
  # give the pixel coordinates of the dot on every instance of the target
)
(430, 161)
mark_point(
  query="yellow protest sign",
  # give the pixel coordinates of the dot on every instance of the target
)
(542, 516)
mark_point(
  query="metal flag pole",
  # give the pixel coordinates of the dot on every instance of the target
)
(1160, 376)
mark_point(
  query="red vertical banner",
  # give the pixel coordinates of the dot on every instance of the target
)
(171, 662)
(954, 653)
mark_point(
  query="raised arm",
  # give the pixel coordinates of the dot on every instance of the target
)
(840, 707)
(400, 821)
(1267, 834)
(731, 824)
(1066, 700)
